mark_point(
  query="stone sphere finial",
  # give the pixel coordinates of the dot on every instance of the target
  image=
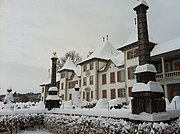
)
(55, 54)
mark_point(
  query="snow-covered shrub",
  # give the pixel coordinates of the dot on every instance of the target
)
(16, 123)
(64, 124)
(102, 104)
(175, 103)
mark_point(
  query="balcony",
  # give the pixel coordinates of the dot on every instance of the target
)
(173, 75)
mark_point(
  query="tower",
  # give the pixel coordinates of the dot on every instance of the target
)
(53, 100)
(148, 95)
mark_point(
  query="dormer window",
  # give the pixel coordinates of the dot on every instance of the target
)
(132, 54)
(62, 75)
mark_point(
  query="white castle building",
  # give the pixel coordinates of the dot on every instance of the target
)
(109, 72)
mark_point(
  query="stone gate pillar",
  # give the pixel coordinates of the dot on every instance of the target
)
(53, 100)
(148, 95)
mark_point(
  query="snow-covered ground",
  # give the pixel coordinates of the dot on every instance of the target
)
(102, 108)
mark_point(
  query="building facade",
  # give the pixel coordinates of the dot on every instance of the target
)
(108, 73)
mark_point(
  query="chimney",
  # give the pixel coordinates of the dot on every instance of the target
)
(103, 39)
(143, 38)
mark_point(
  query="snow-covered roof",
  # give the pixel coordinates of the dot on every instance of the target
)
(151, 86)
(145, 68)
(119, 59)
(133, 37)
(105, 51)
(69, 65)
(165, 47)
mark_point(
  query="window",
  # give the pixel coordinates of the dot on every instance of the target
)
(104, 94)
(113, 93)
(91, 66)
(167, 67)
(177, 65)
(131, 71)
(79, 83)
(91, 80)
(83, 95)
(84, 81)
(72, 84)
(43, 90)
(62, 75)
(103, 78)
(112, 77)
(91, 94)
(62, 96)
(70, 96)
(121, 76)
(132, 53)
(121, 92)
(130, 91)
(85, 68)
(62, 85)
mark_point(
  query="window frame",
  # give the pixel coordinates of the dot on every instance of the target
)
(104, 79)
(113, 93)
(112, 77)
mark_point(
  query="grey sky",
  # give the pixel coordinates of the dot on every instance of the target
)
(30, 30)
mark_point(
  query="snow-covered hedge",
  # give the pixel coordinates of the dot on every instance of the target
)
(16, 123)
(64, 124)
(95, 125)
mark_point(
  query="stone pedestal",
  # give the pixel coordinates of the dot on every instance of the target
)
(76, 97)
(148, 102)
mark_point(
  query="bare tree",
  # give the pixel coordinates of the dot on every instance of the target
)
(75, 57)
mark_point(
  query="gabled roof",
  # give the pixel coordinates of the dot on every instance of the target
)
(118, 60)
(105, 52)
(133, 38)
(69, 65)
(165, 47)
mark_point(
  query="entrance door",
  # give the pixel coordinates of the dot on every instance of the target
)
(88, 90)
(87, 96)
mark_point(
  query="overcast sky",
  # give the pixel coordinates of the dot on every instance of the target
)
(30, 30)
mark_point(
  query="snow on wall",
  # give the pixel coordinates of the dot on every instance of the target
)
(150, 86)
(52, 97)
(145, 68)
(53, 89)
